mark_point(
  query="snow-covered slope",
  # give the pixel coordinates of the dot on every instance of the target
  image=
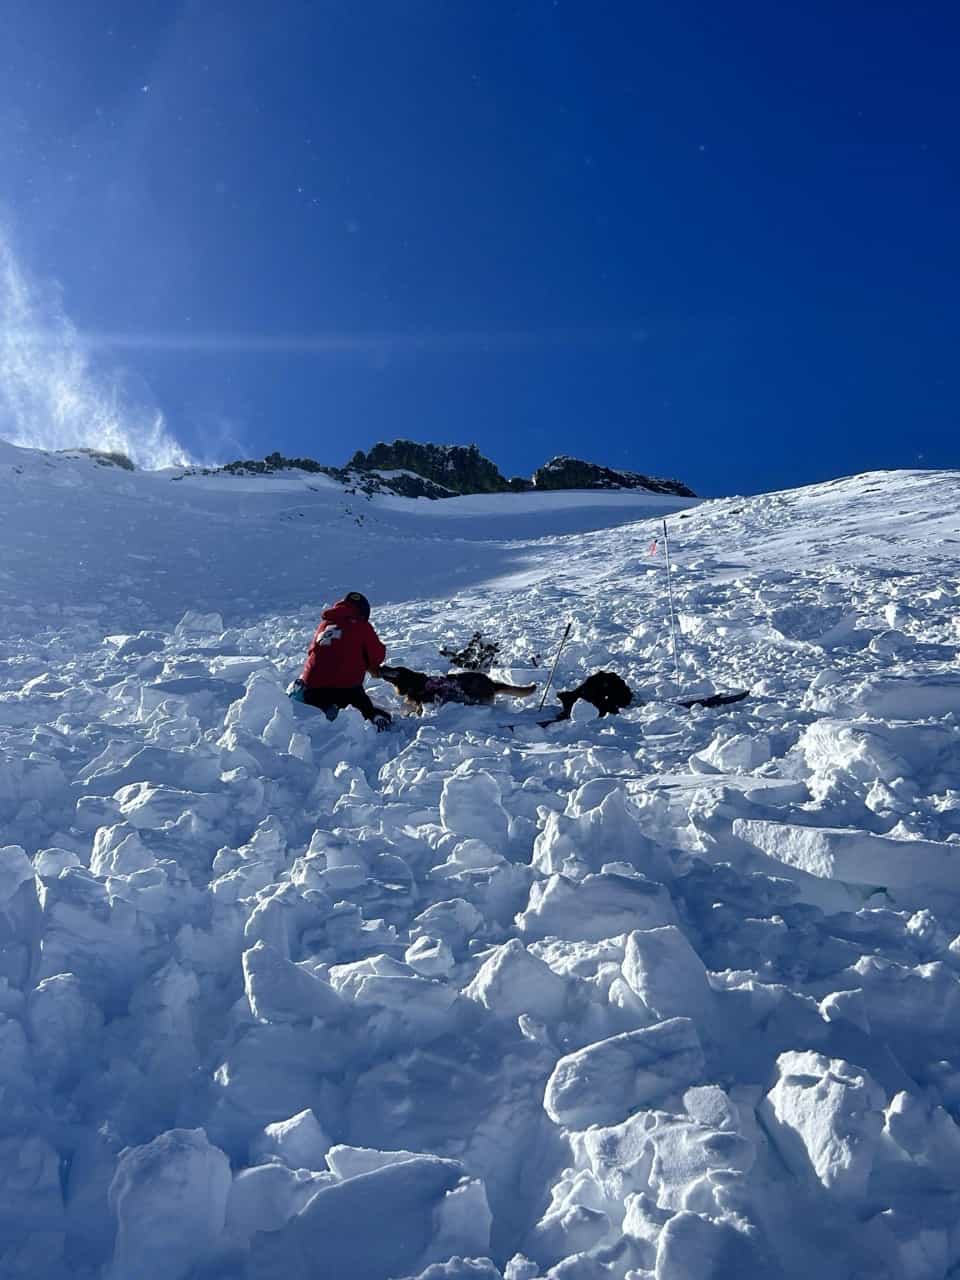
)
(672, 994)
(136, 549)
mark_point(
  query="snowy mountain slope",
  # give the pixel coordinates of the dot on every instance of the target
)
(671, 994)
(138, 549)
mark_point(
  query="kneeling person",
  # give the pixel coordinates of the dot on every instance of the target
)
(344, 649)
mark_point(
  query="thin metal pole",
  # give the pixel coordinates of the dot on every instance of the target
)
(673, 618)
(553, 669)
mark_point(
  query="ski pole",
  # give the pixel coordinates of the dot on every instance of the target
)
(673, 620)
(553, 669)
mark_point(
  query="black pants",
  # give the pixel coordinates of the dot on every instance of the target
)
(338, 699)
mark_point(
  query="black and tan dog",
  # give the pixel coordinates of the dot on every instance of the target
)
(471, 688)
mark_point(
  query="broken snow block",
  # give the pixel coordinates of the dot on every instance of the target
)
(457, 1268)
(693, 1245)
(170, 1198)
(470, 807)
(299, 1142)
(854, 856)
(15, 869)
(662, 968)
(825, 1117)
(65, 1027)
(383, 1223)
(453, 922)
(265, 1198)
(511, 981)
(32, 1222)
(430, 957)
(605, 1082)
(597, 907)
(194, 626)
(119, 850)
(263, 698)
(280, 991)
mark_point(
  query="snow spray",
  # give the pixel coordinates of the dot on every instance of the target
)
(553, 669)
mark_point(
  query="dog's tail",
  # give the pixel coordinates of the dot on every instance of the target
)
(521, 690)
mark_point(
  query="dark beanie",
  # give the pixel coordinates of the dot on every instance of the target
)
(360, 602)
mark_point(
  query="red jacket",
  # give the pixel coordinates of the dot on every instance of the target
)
(344, 648)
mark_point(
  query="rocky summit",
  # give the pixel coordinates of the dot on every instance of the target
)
(564, 472)
(413, 470)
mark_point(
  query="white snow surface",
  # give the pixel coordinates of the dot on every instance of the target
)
(662, 996)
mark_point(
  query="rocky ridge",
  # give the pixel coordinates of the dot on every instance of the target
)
(412, 470)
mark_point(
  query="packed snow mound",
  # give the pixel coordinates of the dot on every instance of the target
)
(668, 995)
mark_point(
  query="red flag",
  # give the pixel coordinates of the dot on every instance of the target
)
(653, 548)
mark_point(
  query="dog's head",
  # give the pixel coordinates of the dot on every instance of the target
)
(406, 682)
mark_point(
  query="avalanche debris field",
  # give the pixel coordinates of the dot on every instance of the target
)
(673, 994)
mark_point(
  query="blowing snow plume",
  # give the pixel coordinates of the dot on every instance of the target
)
(50, 397)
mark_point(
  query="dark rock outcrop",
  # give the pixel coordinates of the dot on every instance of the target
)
(564, 472)
(412, 470)
(456, 467)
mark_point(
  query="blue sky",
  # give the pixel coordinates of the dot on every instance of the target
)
(711, 241)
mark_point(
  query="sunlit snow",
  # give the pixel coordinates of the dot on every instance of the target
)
(663, 996)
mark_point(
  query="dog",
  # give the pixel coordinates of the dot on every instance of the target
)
(603, 690)
(471, 688)
(609, 694)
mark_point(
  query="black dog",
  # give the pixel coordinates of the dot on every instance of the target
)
(603, 690)
(472, 688)
(609, 694)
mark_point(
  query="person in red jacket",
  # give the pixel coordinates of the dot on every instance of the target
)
(344, 649)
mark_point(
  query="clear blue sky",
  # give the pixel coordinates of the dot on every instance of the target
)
(716, 241)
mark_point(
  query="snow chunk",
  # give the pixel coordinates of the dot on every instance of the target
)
(874, 750)
(470, 807)
(806, 622)
(430, 957)
(15, 869)
(460, 1269)
(266, 1197)
(199, 626)
(606, 1081)
(599, 906)
(264, 705)
(383, 1223)
(857, 857)
(583, 712)
(890, 697)
(299, 1142)
(737, 753)
(65, 1026)
(662, 968)
(454, 922)
(350, 1162)
(278, 990)
(598, 826)
(31, 1208)
(119, 851)
(825, 1116)
(846, 1006)
(48, 863)
(512, 981)
(925, 1133)
(694, 1247)
(170, 1198)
